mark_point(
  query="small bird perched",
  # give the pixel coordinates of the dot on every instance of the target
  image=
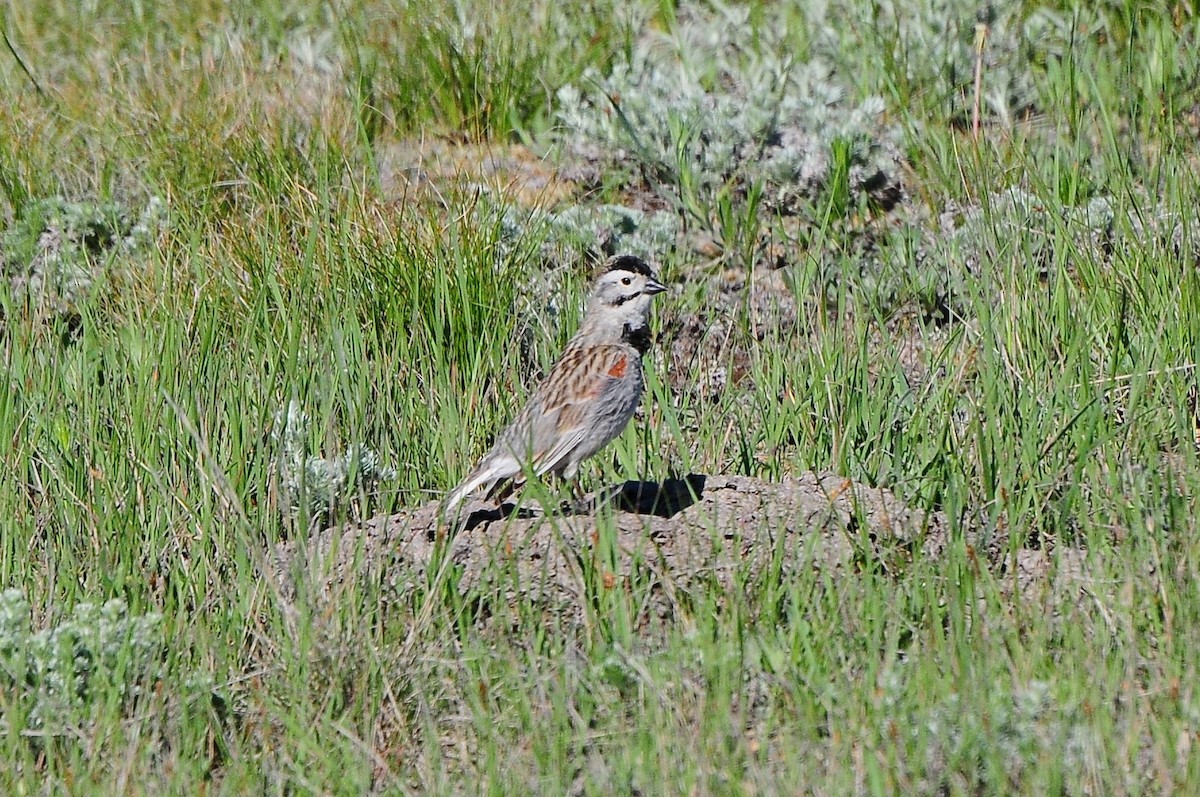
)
(589, 395)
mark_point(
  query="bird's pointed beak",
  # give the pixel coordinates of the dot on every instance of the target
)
(653, 286)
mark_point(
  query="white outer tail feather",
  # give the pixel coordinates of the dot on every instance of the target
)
(488, 474)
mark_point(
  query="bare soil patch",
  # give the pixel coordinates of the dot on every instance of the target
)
(700, 528)
(674, 536)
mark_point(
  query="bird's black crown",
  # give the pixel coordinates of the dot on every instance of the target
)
(628, 263)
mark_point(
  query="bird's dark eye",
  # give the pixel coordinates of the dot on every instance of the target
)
(627, 281)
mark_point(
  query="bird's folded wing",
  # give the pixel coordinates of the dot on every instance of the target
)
(572, 410)
(563, 446)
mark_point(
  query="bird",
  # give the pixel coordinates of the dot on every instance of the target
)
(588, 397)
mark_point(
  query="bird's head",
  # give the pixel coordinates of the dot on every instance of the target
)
(622, 294)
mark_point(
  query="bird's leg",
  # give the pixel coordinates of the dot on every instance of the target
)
(581, 505)
(567, 506)
(502, 491)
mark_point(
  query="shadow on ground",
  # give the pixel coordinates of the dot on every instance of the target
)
(663, 500)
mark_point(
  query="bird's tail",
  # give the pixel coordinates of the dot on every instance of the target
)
(488, 473)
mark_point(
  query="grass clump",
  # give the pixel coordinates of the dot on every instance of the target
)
(477, 72)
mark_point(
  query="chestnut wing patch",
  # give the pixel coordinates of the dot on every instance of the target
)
(618, 367)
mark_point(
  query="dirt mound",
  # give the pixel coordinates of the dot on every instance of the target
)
(666, 540)
(682, 531)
